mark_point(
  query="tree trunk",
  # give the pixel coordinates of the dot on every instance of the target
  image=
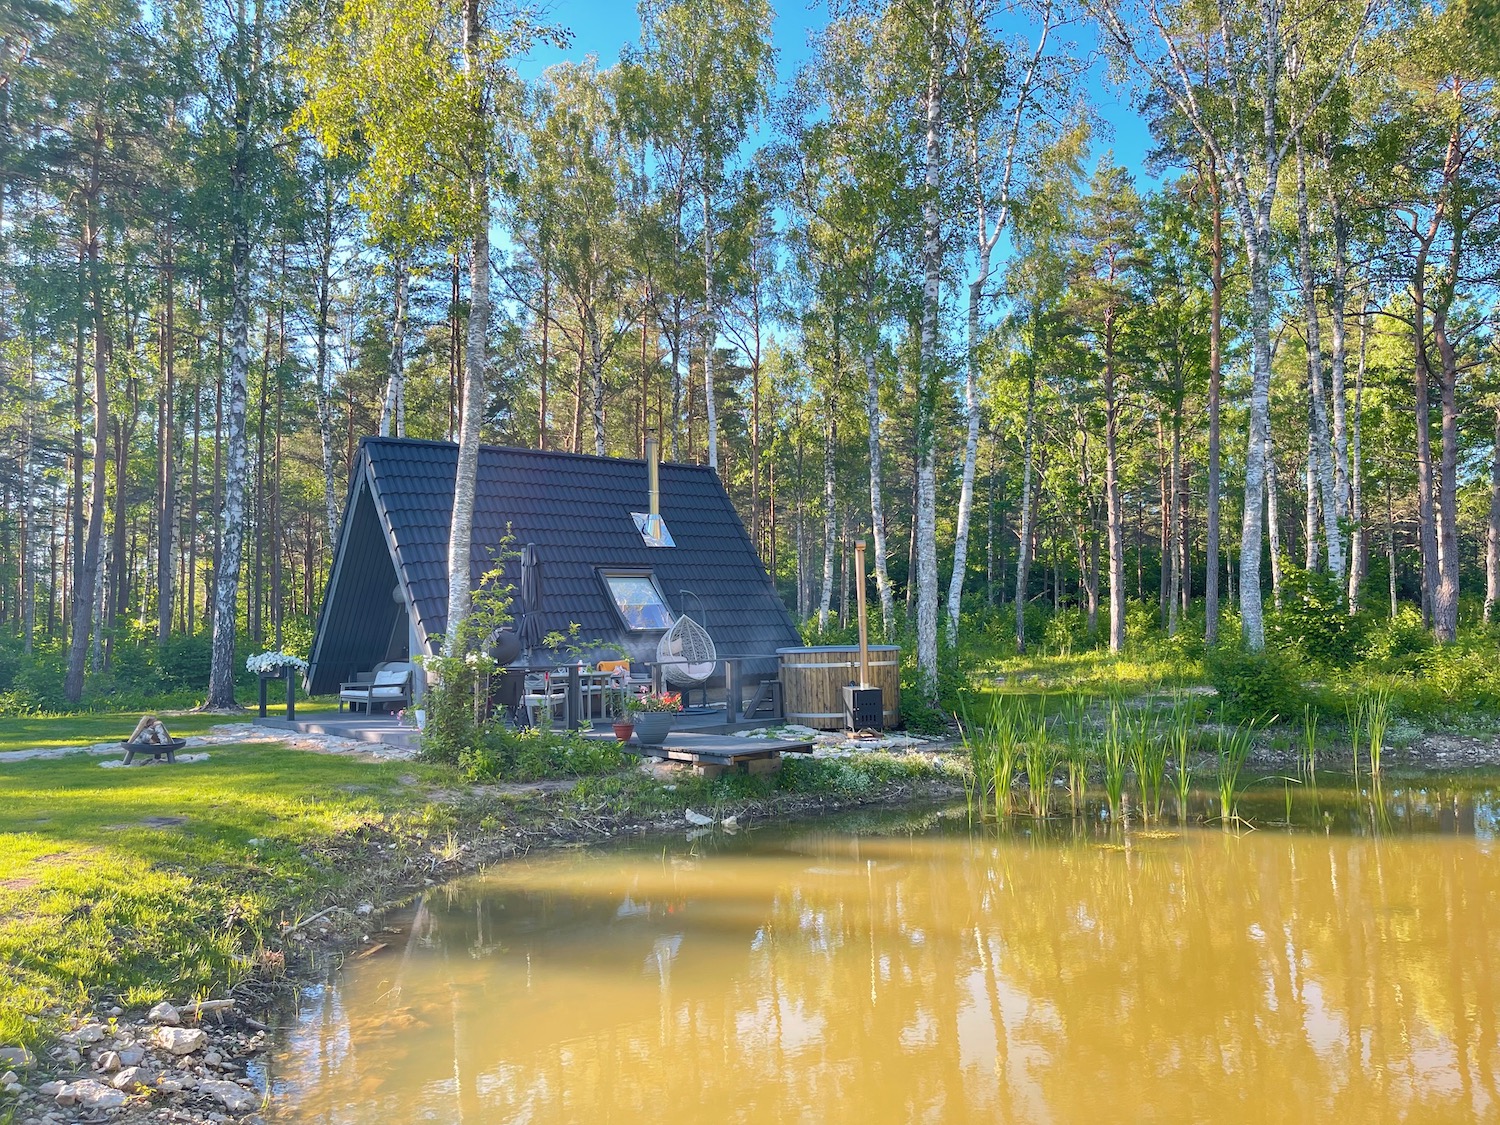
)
(1215, 369)
(1321, 443)
(1492, 529)
(971, 448)
(166, 450)
(1114, 515)
(830, 445)
(925, 524)
(1023, 537)
(1273, 521)
(87, 574)
(391, 414)
(710, 400)
(877, 504)
(461, 530)
(1252, 619)
(324, 392)
(232, 517)
(1357, 559)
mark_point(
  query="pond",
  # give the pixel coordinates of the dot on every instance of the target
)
(911, 967)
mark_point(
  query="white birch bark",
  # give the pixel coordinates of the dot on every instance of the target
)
(1023, 547)
(461, 529)
(710, 402)
(391, 414)
(830, 517)
(877, 504)
(986, 234)
(232, 515)
(925, 529)
(1356, 482)
(1321, 444)
(1259, 56)
(1492, 530)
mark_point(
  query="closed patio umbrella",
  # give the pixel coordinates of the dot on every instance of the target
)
(529, 627)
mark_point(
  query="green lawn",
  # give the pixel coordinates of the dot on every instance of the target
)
(86, 729)
(95, 900)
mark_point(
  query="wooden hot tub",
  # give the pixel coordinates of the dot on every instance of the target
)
(813, 682)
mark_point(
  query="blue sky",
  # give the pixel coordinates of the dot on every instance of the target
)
(603, 27)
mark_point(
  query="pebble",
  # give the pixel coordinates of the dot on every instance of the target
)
(85, 1036)
(18, 1057)
(165, 1013)
(180, 1040)
(108, 1063)
(8, 1077)
(232, 1096)
(89, 1094)
(132, 1055)
(132, 1077)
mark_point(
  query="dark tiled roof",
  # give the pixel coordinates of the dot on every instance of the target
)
(577, 510)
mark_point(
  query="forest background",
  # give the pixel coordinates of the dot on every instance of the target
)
(899, 290)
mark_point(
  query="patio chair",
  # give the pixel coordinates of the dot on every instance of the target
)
(687, 656)
(388, 685)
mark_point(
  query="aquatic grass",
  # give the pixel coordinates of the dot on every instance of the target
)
(1308, 760)
(1041, 759)
(1077, 737)
(1148, 757)
(992, 740)
(1233, 749)
(1113, 753)
(1179, 742)
(1377, 715)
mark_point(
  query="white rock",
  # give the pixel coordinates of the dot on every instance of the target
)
(8, 1077)
(90, 1094)
(364, 908)
(232, 1096)
(132, 1077)
(72, 1057)
(18, 1057)
(13, 1088)
(169, 1086)
(164, 1013)
(50, 1089)
(132, 1055)
(87, 1035)
(180, 1040)
(213, 1058)
(109, 1062)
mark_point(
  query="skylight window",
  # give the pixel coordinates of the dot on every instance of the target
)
(641, 605)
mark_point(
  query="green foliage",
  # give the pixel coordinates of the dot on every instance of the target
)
(1259, 686)
(451, 728)
(1314, 619)
(503, 754)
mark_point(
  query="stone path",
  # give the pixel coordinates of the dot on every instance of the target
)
(227, 734)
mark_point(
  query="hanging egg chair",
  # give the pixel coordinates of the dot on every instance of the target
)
(687, 654)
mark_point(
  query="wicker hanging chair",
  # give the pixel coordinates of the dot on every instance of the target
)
(686, 654)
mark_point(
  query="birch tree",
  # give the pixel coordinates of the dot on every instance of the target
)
(420, 89)
(1011, 105)
(1249, 110)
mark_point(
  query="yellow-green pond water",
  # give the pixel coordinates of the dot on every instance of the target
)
(909, 969)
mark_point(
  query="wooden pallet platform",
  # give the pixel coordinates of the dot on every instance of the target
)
(712, 755)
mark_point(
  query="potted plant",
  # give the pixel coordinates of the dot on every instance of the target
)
(622, 707)
(655, 715)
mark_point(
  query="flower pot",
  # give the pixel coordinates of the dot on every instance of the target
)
(652, 727)
(421, 719)
(624, 729)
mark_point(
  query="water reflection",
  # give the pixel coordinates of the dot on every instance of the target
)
(935, 974)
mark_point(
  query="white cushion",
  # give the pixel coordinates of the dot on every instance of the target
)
(389, 677)
(385, 692)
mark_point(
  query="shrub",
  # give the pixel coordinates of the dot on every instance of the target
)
(451, 729)
(500, 753)
(1314, 619)
(1254, 685)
